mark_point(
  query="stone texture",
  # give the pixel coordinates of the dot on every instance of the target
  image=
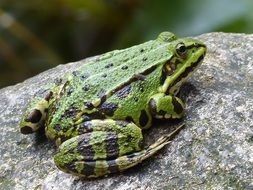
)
(213, 151)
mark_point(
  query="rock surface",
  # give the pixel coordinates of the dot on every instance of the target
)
(213, 151)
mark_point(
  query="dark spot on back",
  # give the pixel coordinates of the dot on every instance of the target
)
(57, 128)
(88, 105)
(142, 50)
(70, 113)
(104, 75)
(84, 76)
(145, 59)
(143, 120)
(108, 108)
(108, 65)
(177, 106)
(134, 78)
(61, 128)
(34, 116)
(86, 87)
(102, 95)
(124, 92)
(70, 90)
(96, 115)
(125, 67)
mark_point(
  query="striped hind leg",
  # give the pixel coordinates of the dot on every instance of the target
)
(127, 161)
(99, 153)
(91, 153)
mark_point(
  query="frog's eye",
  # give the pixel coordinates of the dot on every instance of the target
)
(181, 49)
(169, 68)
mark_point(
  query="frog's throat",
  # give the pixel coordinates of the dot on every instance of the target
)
(174, 82)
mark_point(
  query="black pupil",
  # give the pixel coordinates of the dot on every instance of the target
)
(181, 49)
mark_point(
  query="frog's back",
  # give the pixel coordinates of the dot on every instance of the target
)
(92, 83)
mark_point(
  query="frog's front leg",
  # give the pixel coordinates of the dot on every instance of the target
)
(37, 109)
(107, 146)
(35, 113)
(164, 106)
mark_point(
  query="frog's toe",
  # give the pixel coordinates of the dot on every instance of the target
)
(69, 160)
(26, 129)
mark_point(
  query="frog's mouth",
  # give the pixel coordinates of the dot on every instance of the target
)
(191, 65)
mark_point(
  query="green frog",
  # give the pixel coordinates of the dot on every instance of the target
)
(96, 114)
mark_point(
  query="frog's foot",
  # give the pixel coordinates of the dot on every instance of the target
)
(166, 106)
(98, 153)
(35, 115)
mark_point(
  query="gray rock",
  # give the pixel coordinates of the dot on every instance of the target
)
(213, 151)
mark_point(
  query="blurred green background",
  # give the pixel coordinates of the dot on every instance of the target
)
(36, 35)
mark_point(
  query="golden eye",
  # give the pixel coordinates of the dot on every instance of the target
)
(169, 68)
(181, 49)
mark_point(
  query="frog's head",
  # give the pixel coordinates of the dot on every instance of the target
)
(188, 54)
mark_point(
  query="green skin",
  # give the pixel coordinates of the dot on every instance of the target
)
(96, 114)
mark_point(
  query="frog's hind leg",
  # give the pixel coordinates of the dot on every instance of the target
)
(98, 142)
(127, 161)
(102, 167)
(35, 114)
(124, 162)
(112, 149)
